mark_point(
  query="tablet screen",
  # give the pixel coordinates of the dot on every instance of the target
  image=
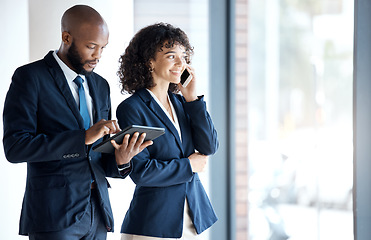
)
(151, 133)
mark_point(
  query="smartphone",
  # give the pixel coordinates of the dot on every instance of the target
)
(185, 78)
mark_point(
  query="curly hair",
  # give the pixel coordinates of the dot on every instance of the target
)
(134, 70)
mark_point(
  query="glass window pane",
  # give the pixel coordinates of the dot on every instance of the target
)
(298, 57)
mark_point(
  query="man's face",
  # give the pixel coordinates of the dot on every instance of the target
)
(76, 60)
(86, 49)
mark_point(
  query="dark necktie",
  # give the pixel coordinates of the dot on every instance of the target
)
(82, 102)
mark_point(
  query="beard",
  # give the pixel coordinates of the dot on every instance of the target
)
(76, 61)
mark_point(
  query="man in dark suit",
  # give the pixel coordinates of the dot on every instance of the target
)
(56, 109)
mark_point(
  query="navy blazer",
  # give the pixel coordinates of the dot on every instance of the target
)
(162, 172)
(43, 127)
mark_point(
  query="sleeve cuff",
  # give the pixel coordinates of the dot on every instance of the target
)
(124, 166)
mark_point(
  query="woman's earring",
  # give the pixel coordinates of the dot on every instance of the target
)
(150, 69)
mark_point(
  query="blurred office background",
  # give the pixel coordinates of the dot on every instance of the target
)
(278, 80)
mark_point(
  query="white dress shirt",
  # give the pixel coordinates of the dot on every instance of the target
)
(70, 76)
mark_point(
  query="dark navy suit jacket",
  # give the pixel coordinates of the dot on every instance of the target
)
(162, 172)
(43, 127)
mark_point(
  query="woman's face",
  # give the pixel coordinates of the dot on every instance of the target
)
(168, 64)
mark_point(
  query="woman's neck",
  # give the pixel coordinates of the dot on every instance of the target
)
(160, 93)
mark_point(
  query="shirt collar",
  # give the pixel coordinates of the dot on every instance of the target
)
(68, 72)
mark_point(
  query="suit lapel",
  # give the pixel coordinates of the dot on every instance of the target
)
(62, 84)
(93, 94)
(182, 119)
(157, 110)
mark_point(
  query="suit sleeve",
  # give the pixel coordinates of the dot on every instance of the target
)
(204, 135)
(147, 170)
(23, 139)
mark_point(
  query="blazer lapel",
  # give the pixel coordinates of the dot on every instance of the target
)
(93, 94)
(182, 119)
(62, 84)
(157, 110)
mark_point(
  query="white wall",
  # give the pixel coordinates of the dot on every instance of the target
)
(30, 29)
(14, 50)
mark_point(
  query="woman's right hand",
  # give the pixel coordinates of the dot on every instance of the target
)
(129, 148)
(189, 92)
(198, 162)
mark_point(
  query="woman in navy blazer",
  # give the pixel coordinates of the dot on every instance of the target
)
(169, 200)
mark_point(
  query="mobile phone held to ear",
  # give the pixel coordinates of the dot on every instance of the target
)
(185, 78)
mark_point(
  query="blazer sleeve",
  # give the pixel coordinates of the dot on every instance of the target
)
(147, 169)
(150, 172)
(23, 139)
(204, 134)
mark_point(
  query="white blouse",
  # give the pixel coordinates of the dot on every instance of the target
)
(175, 121)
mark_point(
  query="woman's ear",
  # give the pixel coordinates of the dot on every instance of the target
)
(151, 68)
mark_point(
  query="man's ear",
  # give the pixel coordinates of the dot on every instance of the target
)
(66, 38)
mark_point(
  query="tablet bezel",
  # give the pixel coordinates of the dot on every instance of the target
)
(151, 134)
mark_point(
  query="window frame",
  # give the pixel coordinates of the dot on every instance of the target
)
(222, 87)
(362, 120)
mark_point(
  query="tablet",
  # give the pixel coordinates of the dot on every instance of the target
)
(151, 133)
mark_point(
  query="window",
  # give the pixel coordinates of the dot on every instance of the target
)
(294, 119)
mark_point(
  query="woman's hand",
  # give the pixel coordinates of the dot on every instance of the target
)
(189, 92)
(127, 150)
(198, 162)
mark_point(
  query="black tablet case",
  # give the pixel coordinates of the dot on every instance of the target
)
(151, 133)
